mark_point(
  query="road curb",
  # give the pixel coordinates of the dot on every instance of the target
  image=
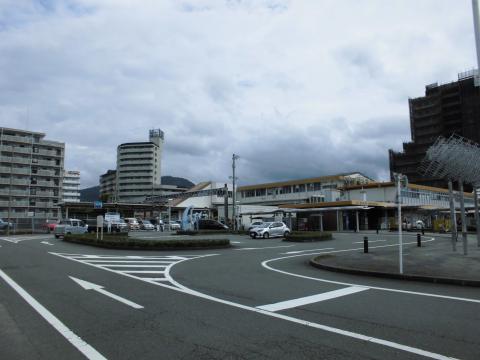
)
(431, 279)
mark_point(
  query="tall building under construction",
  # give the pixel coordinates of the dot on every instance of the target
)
(445, 109)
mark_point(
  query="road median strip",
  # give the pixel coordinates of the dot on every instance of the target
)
(125, 242)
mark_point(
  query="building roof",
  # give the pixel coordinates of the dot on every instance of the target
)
(392, 184)
(299, 181)
(198, 187)
(138, 143)
(26, 132)
(338, 204)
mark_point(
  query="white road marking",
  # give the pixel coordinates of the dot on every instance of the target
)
(154, 266)
(134, 266)
(81, 345)
(369, 241)
(16, 239)
(180, 288)
(265, 265)
(46, 243)
(288, 304)
(302, 251)
(236, 242)
(266, 247)
(391, 344)
(130, 261)
(91, 286)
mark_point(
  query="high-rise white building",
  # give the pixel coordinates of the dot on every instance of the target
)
(71, 186)
(139, 168)
(30, 175)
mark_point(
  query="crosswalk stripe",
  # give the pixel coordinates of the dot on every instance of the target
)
(133, 266)
(152, 269)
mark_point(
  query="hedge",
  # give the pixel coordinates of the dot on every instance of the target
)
(305, 236)
(114, 241)
(210, 232)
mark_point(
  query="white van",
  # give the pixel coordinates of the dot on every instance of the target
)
(70, 226)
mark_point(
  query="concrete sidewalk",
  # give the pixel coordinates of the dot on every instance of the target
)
(433, 262)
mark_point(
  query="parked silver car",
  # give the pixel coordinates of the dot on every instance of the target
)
(70, 226)
(270, 229)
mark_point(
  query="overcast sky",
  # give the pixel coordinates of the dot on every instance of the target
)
(296, 88)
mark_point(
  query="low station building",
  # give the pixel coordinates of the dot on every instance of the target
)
(365, 206)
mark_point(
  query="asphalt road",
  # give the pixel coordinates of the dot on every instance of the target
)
(258, 300)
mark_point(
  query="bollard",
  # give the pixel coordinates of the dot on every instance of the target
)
(419, 240)
(423, 231)
(365, 244)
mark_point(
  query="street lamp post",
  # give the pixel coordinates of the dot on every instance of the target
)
(234, 157)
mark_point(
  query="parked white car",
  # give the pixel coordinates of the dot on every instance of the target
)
(132, 223)
(70, 226)
(172, 225)
(146, 225)
(270, 229)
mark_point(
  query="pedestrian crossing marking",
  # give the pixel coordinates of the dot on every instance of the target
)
(152, 269)
(16, 239)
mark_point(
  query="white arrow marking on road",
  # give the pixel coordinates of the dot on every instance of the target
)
(45, 242)
(91, 286)
(299, 252)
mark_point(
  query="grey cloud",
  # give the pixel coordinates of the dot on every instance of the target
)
(282, 83)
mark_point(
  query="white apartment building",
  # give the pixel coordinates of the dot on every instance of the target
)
(139, 167)
(71, 186)
(30, 174)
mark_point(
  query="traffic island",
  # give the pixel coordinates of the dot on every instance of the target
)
(433, 262)
(124, 242)
(308, 236)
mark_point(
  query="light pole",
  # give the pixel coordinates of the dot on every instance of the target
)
(170, 214)
(234, 157)
(401, 181)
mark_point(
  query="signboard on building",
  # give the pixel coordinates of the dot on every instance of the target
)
(97, 205)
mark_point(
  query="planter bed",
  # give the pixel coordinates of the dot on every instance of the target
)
(124, 242)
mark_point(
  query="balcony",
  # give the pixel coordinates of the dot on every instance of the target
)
(45, 184)
(44, 194)
(46, 163)
(15, 160)
(14, 203)
(17, 149)
(20, 139)
(48, 153)
(13, 192)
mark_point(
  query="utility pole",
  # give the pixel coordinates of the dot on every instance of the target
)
(234, 157)
(401, 181)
